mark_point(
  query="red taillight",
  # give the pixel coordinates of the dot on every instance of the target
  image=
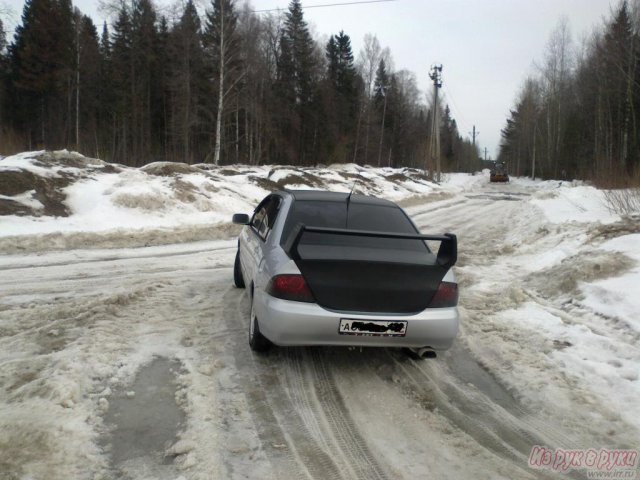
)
(290, 287)
(446, 296)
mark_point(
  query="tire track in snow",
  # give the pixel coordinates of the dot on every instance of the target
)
(342, 426)
(291, 449)
(92, 257)
(300, 391)
(493, 427)
(511, 432)
(328, 414)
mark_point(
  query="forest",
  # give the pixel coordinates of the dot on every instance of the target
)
(227, 85)
(577, 115)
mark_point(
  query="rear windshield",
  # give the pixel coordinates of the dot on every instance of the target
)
(377, 218)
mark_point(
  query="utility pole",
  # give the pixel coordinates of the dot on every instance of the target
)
(485, 154)
(434, 144)
(533, 162)
(78, 86)
(474, 134)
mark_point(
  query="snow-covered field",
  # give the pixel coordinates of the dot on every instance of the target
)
(107, 270)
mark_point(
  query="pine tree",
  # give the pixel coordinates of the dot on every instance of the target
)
(381, 96)
(162, 103)
(340, 102)
(620, 62)
(3, 39)
(4, 74)
(380, 83)
(300, 45)
(42, 62)
(188, 90)
(87, 84)
(144, 66)
(333, 61)
(345, 80)
(298, 65)
(122, 78)
(106, 99)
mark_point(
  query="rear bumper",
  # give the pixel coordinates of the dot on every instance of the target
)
(499, 178)
(288, 323)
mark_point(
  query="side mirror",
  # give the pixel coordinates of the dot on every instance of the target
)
(448, 251)
(241, 219)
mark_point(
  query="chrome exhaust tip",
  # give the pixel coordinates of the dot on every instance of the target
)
(424, 352)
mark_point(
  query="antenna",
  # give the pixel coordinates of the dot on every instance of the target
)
(346, 220)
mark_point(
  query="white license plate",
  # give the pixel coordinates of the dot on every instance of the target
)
(373, 328)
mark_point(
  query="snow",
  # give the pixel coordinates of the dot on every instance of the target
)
(618, 297)
(607, 366)
(549, 310)
(138, 199)
(463, 181)
(575, 204)
(24, 161)
(26, 199)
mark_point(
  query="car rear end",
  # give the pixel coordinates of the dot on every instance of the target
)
(499, 174)
(358, 274)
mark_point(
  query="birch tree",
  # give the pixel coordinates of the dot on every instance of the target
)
(223, 46)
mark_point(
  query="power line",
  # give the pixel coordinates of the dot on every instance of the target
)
(458, 111)
(328, 5)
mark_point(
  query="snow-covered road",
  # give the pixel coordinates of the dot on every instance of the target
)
(536, 363)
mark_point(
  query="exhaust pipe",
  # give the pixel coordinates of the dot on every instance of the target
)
(424, 352)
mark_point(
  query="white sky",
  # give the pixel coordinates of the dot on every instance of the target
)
(487, 47)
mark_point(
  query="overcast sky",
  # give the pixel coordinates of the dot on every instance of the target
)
(487, 47)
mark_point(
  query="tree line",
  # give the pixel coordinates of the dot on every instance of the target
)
(230, 86)
(577, 117)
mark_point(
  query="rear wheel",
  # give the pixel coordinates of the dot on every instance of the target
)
(237, 272)
(257, 341)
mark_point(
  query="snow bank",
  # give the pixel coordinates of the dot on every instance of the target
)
(601, 364)
(64, 192)
(569, 203)
(618, 297)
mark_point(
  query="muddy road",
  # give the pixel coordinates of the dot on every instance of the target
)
(134, 363)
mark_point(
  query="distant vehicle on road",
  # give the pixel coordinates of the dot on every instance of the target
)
(499, 173)
(326, 268)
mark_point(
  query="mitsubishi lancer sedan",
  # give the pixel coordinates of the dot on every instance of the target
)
(327, 268)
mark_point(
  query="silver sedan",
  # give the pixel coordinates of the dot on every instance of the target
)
(326, 268)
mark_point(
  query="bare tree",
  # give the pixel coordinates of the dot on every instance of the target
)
(368, 62)
(556, 74)
(223, 43)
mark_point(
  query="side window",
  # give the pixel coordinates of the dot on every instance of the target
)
(258, 216)
(265, 216)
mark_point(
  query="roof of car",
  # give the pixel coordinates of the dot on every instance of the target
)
(321, 195)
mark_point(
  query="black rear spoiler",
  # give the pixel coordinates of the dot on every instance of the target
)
(447, 253)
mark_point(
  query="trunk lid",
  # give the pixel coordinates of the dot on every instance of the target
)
(364, 271)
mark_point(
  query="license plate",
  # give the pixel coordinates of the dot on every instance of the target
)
(372, 328)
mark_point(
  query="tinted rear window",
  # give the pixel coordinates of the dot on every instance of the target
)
(378, 218)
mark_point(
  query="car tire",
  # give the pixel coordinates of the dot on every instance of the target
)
(238, 281)
(257, 341)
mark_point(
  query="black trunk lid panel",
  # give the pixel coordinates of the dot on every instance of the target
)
(376, 280)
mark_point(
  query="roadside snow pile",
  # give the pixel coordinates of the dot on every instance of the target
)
(64, 192)
(619, 297)
(553, 312)
(33, 183)
(576, 204)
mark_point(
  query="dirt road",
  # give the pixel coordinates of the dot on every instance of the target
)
(86, 334)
